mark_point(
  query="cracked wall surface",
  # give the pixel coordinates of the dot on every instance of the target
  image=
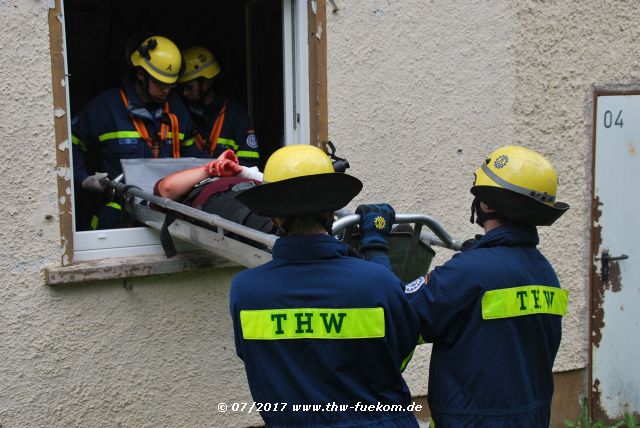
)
(419, 92)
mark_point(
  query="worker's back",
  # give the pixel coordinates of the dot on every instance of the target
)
(315, 327)
(489, 312)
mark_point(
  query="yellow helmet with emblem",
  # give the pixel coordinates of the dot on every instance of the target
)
(521, 185)
(199, 62)
(159, 57)
(300, 180)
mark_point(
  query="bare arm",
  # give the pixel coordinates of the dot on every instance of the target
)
(176, 185)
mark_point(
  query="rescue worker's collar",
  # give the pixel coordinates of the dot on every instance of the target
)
(203, 110)
(137, 107)
(508, 235)
(308, 247)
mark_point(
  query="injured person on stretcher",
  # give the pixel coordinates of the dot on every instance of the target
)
(212, 187)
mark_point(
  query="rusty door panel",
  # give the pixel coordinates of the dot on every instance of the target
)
(615, 273)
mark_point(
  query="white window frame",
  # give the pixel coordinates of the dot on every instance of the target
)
(296, 71)
(137, 241)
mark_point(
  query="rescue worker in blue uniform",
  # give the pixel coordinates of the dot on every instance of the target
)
(493, 312)
(315, 326)
(143, 119)
(221, 123)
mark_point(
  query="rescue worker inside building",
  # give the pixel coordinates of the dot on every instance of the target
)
(144, 118)
(315, 326)
(494, 311)
(221, 122)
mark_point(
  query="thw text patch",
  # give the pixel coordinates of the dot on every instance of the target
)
(312, 323)
(525, 300)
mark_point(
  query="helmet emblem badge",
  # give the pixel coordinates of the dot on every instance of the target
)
(501, 162)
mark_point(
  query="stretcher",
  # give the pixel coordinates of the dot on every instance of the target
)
(410, 249)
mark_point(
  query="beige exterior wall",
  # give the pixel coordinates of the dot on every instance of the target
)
(92, 354)
(419, 92)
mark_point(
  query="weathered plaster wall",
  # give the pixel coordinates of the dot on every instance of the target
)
(421, 91)
(92, 354)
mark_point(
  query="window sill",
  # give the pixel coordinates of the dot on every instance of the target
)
(132, 267)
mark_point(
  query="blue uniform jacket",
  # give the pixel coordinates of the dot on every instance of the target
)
(496, 372)
(315, 272)
(237, 132)
(103, 132)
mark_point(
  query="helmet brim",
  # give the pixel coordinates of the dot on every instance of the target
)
(520, 208)
(309, 194)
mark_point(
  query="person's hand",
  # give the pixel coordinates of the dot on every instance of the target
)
(222, 168)
(375, 224)
(229, 154)
(93, 183)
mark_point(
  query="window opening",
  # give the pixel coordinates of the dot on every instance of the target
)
(252, 40)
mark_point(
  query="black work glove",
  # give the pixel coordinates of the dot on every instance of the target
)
(375, 224)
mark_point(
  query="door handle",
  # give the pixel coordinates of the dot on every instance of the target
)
(604, 260)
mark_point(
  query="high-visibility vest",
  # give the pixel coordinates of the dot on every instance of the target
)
(154, 143)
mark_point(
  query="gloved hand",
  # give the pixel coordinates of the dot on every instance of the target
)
(93, 184)
(229, 154)
(222, 168)
(375, 224)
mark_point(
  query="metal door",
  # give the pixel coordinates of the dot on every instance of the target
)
(615, 273)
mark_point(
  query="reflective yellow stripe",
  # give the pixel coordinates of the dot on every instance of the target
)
(180, 135)
(432, 424)
(119, 134)
(312, 323)
(130, 134)
(525, 300)
(94, 222)
(247, 154)
(188, 142)
(406, 361)
(78, 142)
(228, 143)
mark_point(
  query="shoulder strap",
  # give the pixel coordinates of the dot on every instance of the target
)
(217, 128)
(164, 129)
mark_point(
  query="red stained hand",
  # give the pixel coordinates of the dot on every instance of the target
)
(222, 168)
(228, 154)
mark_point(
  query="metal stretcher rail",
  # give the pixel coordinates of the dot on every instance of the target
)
(441, 237)
(211, 219)
(233, 249)
(215, 241)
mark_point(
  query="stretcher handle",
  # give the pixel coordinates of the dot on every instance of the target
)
(441, 237)
(212, 219)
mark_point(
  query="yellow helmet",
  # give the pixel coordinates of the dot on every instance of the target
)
(199, 62)
(296, 161)
(520, 184)
(159, 57)
(300, 180)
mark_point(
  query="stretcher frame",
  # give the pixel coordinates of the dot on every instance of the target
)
(143, 207)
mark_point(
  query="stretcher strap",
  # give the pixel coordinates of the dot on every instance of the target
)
(165, 237)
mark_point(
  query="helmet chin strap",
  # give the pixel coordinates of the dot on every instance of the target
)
(479, 216)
